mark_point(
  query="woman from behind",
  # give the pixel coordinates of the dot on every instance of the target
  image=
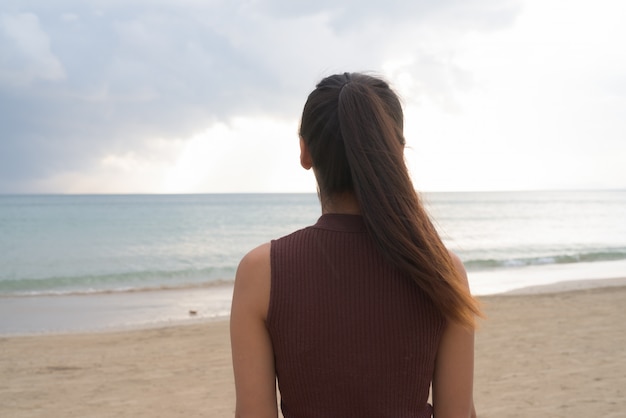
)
(356, 315)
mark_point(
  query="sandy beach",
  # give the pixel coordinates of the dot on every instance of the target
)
(544, 352)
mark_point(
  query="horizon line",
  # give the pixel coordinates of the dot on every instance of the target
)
(300, 192)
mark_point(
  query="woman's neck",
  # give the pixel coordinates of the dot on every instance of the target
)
(344, 203)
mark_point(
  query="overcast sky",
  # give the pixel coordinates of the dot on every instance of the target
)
(180, 96)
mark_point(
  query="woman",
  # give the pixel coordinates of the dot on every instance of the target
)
(356, 315)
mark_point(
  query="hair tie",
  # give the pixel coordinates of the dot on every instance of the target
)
(347, 81)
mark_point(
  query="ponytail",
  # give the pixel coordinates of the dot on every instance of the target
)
(353, 126)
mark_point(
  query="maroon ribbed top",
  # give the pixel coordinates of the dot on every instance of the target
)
(352, 335)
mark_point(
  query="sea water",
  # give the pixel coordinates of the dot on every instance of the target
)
(91, 244)
(156, 250)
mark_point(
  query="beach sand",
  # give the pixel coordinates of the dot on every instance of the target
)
(537, 355)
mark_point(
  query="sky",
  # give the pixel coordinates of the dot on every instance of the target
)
(205, 96)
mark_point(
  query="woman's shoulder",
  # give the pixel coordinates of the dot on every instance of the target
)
(255, 261)
(252, 280)
(257, 255)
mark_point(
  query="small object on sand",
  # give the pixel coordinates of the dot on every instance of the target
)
(193, 313)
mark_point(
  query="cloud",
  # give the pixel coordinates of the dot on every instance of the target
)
(350, 14)
(87, 82)
(83, 80)
(244, 155)
(539, 113)
(26, 55)
(150, 95)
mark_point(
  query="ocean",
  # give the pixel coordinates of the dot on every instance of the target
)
(153, 251)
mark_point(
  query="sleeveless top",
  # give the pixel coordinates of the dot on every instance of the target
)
(352, 335)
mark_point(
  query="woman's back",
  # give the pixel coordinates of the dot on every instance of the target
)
(358, 314)
(351, 334)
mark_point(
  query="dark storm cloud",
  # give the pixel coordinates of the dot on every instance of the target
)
(79, 79)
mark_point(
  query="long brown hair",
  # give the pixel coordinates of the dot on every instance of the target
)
(352, 124)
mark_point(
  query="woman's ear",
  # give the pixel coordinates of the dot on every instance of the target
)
(305, 155)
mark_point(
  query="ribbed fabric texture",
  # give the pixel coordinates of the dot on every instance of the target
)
(352, 335)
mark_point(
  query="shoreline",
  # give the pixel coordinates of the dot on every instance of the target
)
(137, 310)
(111, 312)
